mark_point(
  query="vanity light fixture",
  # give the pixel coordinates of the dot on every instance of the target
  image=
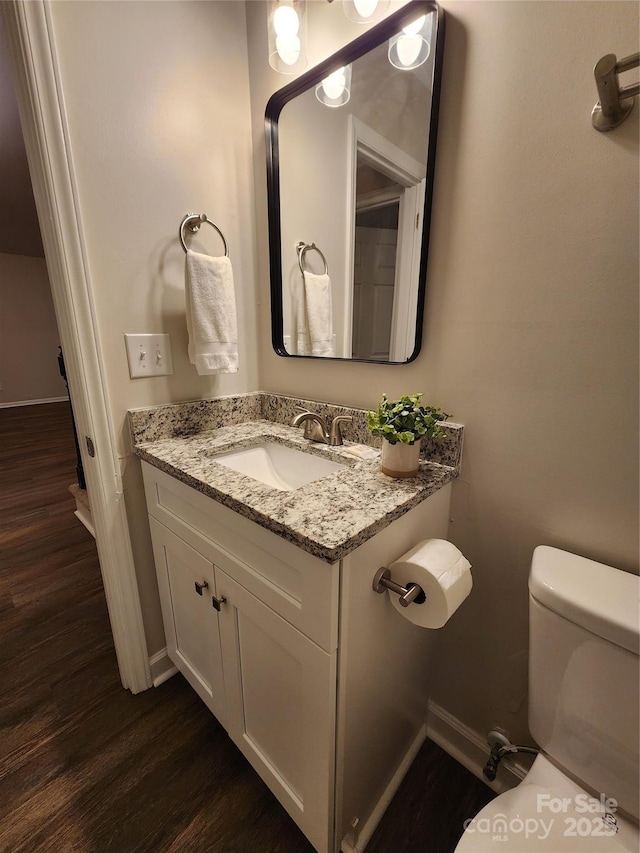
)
(287, 26)
(335, 90)
(364, 11)
(409, 48)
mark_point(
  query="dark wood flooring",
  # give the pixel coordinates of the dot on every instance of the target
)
(86, 767)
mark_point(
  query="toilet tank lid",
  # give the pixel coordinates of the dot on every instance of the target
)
(601, 599)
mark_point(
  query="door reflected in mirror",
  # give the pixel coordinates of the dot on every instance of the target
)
(354, 183)
(374, 276)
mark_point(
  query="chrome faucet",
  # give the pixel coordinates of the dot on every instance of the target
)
(315, 427)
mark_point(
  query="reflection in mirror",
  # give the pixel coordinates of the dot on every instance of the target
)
(350, 158)
(374, 262)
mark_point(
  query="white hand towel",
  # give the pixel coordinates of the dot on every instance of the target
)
(315, 316)
(211, 314)
(301, 327)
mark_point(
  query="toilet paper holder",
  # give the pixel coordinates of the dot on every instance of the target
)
(412, 593)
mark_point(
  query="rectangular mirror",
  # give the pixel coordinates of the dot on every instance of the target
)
(350, 162)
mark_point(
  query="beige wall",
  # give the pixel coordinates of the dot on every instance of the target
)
(531, 317)
(28, 333)
(159, 124)
(156, 96)
(19, 229)
(305, 140)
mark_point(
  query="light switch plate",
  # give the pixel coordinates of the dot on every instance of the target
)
(148, 355)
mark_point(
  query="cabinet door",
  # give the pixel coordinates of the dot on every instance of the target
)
(186, 581)
(281, 698)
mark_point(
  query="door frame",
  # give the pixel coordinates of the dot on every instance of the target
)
(42, 113)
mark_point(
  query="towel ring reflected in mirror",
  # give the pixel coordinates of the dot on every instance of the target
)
(193, 221)
(302, 249)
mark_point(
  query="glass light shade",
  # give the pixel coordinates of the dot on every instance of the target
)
(335, 90)
(288, 49)
(410, 48)
(415, 27)
(285, 21)
(287, 27)
(364, 11)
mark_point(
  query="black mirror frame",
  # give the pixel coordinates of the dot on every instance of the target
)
(363, 44)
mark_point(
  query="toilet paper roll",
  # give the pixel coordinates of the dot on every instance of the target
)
(444, 574)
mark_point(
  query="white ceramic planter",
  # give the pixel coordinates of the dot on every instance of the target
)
(400, 460)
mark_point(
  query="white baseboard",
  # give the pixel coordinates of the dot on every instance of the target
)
(363, 836)
(162, 667)
(462, 743)
(470, 748)
(32, 402)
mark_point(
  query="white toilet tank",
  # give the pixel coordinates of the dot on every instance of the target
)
(583, 671)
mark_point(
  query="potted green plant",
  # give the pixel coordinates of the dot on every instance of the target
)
(402, 424)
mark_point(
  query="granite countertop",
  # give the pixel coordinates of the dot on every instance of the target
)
(329, 517)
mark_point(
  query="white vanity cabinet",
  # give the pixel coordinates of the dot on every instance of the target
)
(281, 700)
(186, 580)
(330, 727)
(265, 661)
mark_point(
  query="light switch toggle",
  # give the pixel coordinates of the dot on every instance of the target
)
(148, 355)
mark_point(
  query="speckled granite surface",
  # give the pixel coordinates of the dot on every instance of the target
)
(280, 409)
(329, 518)
(183, 419)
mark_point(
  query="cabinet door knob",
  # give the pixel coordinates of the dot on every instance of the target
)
(217, 602)
(200, 586)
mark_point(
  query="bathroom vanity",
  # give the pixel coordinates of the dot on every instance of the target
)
(270, 615)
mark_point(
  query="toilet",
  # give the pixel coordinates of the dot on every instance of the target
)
(581, 793)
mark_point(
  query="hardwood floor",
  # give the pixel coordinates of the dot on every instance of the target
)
(85, 767)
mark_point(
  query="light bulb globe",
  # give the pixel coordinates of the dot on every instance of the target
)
(408, 49)
(286, 22)
(365, 8)
(334, 84)
(414, 27)
(288, 48)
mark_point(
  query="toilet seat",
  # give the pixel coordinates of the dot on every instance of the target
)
(546, 813)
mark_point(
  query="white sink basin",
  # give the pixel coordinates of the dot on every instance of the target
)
(278, 465)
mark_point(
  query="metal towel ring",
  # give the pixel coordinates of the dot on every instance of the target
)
(196, 220)
(302, 249)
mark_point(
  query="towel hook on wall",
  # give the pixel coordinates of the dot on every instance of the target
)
(193, 221)
(302, 249)
(615, 103)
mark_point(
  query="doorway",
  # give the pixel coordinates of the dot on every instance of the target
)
(386, 191)
(29, 336)
(32, 51)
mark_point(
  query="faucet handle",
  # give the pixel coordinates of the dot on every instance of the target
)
(335, 437)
